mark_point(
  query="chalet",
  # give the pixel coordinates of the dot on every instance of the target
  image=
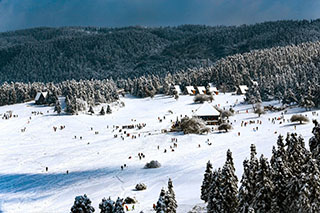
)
(208, 113)
(213, 89)
(190, 90)
(177, 88)
(242, 89)
(201, 90)
(41, 98)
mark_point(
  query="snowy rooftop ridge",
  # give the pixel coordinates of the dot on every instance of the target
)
(206, 109)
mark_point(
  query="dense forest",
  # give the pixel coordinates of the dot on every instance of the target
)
(59, 54)
(289, 182)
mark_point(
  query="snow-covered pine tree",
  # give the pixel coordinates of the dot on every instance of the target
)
(229, 188)
(109, 111)
(170, 199)
(91, 110)
(161, 205)
(314, 142)
(281, 175)
(312, 172)
(102, 111)
(207, 181)
(107, 206)
(245, 194)
(215, 199)
(118, 208)
(57, 107)
(82, 204)
(263, 197)
(253, 168)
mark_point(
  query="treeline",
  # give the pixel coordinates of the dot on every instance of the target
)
(79, 94)
(289, 73)
(289, 182)
(59, 54)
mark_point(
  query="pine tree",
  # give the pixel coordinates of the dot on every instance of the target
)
(314, 142)
(91, 110)
(57, 107)
(118, 208)
(107, 206)
(109, 111)
(207, 181)
(263, 197)
(102, 111)
(245, 193)
(82, 204)
(215, 196)
(229, 188)
(280, 177)
(170, 200)
(161, 205)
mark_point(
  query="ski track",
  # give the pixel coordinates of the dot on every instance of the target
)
(94, 168)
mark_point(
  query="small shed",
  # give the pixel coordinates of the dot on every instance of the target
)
(191, 90)
(242, 89)
(177, 88)
(41, 98)
(201, 90)
(208, 113)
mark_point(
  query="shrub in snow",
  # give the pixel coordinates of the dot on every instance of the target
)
(201, 98)
(224, 126)
(191, 126)
(299, 118)
(259, 110)
(152, 165)
(225, 113)
(82, 204)
(141, 186)
(130, 200)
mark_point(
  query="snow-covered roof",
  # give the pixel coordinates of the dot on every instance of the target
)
(206, 109)
(201, 89)
(212, 88)
(190, 90)
(243, 88)
(177, 88)
(39, 95)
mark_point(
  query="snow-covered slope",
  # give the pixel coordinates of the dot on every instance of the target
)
(94, 162)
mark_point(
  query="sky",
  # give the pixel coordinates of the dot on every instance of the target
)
(21, 14)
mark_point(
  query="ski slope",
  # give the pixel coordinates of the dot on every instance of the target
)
(94, 162)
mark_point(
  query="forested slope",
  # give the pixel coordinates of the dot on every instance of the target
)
(58, 54)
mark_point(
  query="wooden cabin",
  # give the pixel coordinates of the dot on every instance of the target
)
(201, 90)
(190, 90)
(213, 89)
(41, 98)
(208, 113)
(242, 89)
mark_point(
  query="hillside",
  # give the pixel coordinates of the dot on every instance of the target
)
(94, 161)
(57, 54)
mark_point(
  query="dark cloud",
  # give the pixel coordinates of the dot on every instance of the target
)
(18, 14)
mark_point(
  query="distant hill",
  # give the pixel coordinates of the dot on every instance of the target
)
(58, 54)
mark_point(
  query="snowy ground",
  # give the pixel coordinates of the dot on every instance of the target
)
(94, 162)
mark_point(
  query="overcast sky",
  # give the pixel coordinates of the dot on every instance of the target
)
(20, 14)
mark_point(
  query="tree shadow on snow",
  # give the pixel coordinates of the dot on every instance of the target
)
(292, 124)
(14, 183)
